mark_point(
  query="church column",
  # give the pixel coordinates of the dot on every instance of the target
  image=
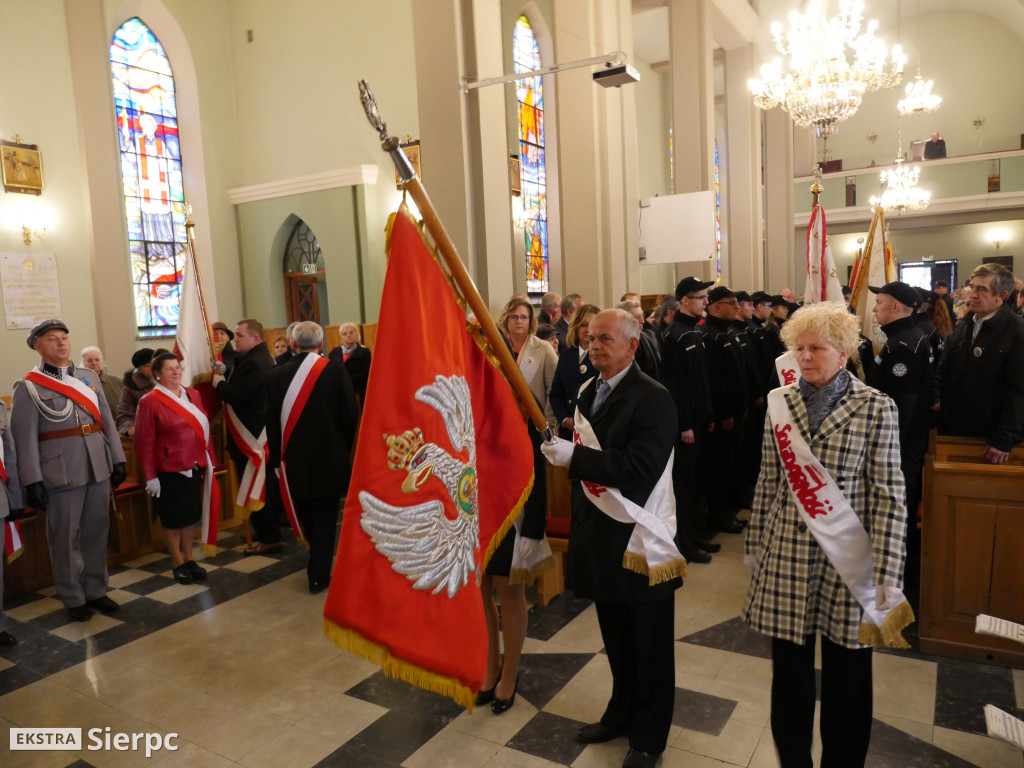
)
(745, 265)
(778, 213)
(693, 107)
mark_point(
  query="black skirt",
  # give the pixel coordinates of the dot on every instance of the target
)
(180, 503)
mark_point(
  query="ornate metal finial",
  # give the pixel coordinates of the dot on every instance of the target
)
(816, 186)
(372, 113)
(189, 221)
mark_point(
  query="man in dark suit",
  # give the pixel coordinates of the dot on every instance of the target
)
(354, 356)
(569, 305)
(633, 418)
(316, 453)
(244, 391)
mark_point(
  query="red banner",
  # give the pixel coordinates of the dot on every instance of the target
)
(441, 471)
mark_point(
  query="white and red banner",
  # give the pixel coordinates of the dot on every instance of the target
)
(192, 341)
(822, 279)
(252, 485)
(874, 267)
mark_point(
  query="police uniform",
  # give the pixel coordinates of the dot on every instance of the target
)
(11, 504)
(67, 462)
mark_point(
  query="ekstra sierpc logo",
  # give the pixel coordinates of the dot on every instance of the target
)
(70, 739)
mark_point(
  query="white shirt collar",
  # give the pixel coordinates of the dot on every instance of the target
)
(614, 380)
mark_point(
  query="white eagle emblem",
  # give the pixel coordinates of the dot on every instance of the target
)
(420, 541)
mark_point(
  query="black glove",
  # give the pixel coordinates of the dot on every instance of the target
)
(36, 496)
(118, 475)
(15, 514)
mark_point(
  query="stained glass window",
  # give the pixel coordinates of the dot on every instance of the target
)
(147, 127)
(529, 95)
(302, 250)
(718, 222)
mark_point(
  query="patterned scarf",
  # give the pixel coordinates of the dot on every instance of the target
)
(821, 400)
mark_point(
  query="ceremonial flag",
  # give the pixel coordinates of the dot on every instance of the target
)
(874, 267)
(822, 279)
(192, 342)
(442, 468)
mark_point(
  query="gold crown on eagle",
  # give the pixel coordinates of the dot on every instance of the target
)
(401, 448)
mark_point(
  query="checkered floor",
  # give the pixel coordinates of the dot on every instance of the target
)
(239, 669)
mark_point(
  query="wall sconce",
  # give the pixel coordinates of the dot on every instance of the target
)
(872, 137)
(29, 216)
(28, 233)
(978, 122)
(518, 213)
(997, 237)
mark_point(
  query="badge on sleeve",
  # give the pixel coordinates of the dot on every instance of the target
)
(899, 369)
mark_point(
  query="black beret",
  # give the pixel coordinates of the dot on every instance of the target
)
(903, 293)
(142, 357)
(43, 327)
(691, 285)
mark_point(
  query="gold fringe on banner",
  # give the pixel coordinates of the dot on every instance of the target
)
(659, 573)
(499, 535)
(350, 640)
(16, 554)
(528, 576)
(208, 549)
(890, 634)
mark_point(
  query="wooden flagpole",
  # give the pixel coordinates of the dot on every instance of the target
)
(412, 184)
(210, 337)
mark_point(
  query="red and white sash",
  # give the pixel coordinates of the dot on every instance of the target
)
(12, 541)
(651, 550)
(252, 485)
(295, 400)
(200, 425)
(70, 387)
(835, 526)
(787, 368)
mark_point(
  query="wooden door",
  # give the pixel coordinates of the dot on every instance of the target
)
(303, 298)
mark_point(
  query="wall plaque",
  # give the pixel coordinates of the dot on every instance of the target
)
(30, 288)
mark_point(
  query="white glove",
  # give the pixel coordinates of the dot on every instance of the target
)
(220, 368)
(153, 488)
(528, 548)
(217, 379)
(558, 453)
(749, 561)
(886, 597)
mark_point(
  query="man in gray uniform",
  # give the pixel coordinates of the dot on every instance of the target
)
(11, 506)
(69, 456)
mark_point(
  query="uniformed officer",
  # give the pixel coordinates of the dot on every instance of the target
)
(11, 505)
(903, 371)
(69, 457)
(925, 323)
(748, 464)
(727, 376)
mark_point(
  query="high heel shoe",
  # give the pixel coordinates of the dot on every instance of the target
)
(487, 696)
(500, 706)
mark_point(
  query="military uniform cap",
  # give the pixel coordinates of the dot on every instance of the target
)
(43, 327)
(718, 293)
(760, 297)
(743, 296)
(905, 294)
(691, 285)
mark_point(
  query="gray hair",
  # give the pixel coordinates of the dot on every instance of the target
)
(290, 330)
(569, 302)
(308, 336)
(550, 300)
(87, 350)
(627, 323)
(669, 302)
(1004, 280)
(343, 326)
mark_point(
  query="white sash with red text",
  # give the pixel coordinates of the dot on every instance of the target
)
(200, 425)
(787, 368)
(252, 485)
(295, 400)
(12, 541)
(651, 550)
(71, 388)
(835, 526)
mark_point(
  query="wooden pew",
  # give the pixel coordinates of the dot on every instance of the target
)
(551, 583)
(972, 557)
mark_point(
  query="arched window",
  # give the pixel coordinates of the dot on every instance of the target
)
(147, 127)
(529, 95)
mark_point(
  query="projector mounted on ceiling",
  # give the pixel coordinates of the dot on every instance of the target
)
(613, 77)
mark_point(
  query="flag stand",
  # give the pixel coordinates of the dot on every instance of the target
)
(411, 183)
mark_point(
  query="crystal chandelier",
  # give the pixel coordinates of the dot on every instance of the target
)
(901, 193)
(919, 98)
(831, 66)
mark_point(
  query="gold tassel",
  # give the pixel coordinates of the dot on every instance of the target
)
(528, 576)
(352, 641)
(890, 634)
(208, 549)
(510, 520)
(662, 572)
(16, 554)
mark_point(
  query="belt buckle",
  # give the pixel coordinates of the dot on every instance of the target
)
(86, 429)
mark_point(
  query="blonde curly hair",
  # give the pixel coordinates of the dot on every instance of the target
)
(830, 319)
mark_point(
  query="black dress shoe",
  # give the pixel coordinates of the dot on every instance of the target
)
(7, 640)
(696, 556)
(709, 545)
(182, 574)
(197, 571)
(637, 758)
(598, 733)
(499, 706)
(80, 613)
(734, 525)
(103, 605)
(316, 587)
(259, 548)
(487, 696)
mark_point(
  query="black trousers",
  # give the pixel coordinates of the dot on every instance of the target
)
(912, 565)
(638, 638)
(688, 471)
(721, 478)
(319, 519)
(264, 521)
(846, 701)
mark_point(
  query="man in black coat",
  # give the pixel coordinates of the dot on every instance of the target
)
(979, 385)
(245, 391)
(317, 454)
(633, 418)
(354, 356)
(924, 321)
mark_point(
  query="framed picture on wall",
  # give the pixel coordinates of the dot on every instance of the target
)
(22, 168)
(1003, 261)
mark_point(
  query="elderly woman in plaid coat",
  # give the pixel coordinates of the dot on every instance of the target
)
(795, 592)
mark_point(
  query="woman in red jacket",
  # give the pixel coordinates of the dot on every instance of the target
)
(172, 451)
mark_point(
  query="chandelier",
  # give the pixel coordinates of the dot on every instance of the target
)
(831, 66)
(919, 98)
(901, 193)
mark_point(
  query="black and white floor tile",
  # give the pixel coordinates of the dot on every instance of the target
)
(238, 667)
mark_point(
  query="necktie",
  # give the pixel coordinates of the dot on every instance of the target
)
(602, 392)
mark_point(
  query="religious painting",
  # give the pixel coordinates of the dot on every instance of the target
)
(22, 168)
